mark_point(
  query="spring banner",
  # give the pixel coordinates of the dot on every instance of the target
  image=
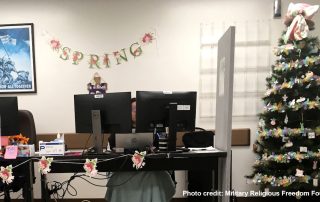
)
(101, 61)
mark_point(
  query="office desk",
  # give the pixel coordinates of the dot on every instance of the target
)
(23, 166)
(202, 160)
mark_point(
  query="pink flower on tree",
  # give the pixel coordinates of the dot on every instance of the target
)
(55, 44)
(138, 159)
(90, 167)
(6, 174)
(44, 165)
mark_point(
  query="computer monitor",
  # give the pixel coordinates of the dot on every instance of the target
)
(158, 110)
(103, 113)
(8, 116)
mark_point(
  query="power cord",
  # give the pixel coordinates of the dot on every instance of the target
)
(57, 186)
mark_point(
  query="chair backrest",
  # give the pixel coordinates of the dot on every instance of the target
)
(26, 125)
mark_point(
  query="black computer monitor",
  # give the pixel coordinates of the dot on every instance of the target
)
(9, 116)
(115, 112)
(103, 113)
(153, 110)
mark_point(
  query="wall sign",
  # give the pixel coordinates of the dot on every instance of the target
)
(106, 60)
(17, 65)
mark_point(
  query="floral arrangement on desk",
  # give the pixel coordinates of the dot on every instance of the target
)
(13, 140)
(18, 140)
(24, 149)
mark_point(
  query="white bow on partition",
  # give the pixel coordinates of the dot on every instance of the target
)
(298, 14)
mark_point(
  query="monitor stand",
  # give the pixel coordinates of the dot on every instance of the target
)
(96, 131)
(172, 136)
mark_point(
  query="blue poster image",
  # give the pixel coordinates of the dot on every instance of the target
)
(16, 59)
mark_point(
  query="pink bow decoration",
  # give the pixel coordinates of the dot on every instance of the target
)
(138, 159)
(297, 19)
(90, 167)
(6, 174)
(44, 165)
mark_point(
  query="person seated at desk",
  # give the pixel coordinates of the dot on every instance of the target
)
(139, 186)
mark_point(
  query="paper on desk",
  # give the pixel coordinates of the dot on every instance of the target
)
(203, 149)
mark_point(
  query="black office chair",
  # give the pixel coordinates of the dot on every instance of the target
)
(26, 125)
(27, 128)
(200, 181)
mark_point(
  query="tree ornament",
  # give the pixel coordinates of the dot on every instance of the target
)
(285, 139)
(301, 99)
(314, 166)
(302, 128)
(298, 20)
(262, 123)
(299, 173)
(288, 144)
(284, 98)
(301, 44)
(304, 149)
(292, 103)
(255, 148)
(311, 135)
(286, 119)
(315, 182)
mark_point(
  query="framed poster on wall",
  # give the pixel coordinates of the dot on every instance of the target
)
(17, 61)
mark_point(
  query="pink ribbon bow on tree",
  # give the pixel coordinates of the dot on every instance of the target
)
(297, 19)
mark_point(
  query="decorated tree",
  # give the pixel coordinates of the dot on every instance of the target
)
(288, 136)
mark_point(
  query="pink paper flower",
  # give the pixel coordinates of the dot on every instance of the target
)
(148, 38)
(90, 167)
(6, 174)
(55, 44)
(44, 165)
(138, 159)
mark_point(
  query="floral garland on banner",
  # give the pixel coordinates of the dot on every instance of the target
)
(99, 61)
(89, 166)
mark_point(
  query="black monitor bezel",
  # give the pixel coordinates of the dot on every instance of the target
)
(118, 102)
(148, 104)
